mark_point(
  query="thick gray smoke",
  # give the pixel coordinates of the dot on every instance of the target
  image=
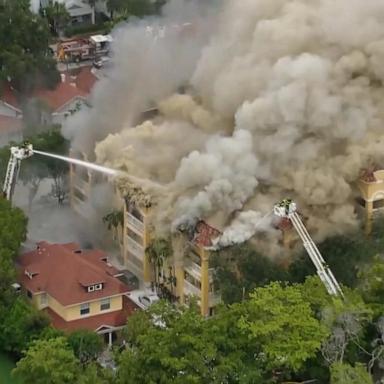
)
(286, 100)
(152, 58)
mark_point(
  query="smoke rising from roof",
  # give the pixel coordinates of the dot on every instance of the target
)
(286, 99)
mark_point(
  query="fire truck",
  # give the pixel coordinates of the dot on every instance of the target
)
(79, 49)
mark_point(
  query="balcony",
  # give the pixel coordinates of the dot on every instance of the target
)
(134, 223)
(194, 270)
(190, 289)
(214, 298)
(134, 247)
(81, 184)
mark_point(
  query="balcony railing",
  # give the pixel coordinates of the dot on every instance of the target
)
(134, 247)
(214, 298)
(81, 184)
(135, 223)
(195, 270)
(190, 289)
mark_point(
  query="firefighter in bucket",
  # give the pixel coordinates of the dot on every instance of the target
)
(286, 204)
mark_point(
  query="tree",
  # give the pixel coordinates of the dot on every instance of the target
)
(114, 220)
(56, 14)
(48, 362)
(344, 254)
(87, 345)
(282, 322)
(178, 346)
(21, 324)
(240, 269)
(157, 252)
(346, 374)
(137, 8)
(37, 167)
(13, 226)
(24, 56)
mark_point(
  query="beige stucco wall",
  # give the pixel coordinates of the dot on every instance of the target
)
(73, 312)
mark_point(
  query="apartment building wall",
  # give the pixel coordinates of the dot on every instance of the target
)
(193, 275)
(372, 197)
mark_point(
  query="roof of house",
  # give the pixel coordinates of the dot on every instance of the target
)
(60, 96)
(10, 124)
(204, 234)
(94, 323)
(7, 95)
(85, 80)
(64, 270)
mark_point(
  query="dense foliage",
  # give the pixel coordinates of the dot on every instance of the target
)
(24, 53)
(36, 168)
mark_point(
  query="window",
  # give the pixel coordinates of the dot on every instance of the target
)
(91, 288)
(84, 309)
(29, 294)
(105, 304)
(43, 299)
(98, 287)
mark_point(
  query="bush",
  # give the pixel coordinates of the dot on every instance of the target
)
(84, 29)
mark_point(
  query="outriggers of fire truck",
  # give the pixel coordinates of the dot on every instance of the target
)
(79, 49)
(13, 168)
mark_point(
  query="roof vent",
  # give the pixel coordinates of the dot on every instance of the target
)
(78, 251)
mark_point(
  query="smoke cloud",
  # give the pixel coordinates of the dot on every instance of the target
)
(284, 99)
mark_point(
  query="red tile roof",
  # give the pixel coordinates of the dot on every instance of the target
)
(60, 96)
(368, 175)
(10, 124)
(62, 270)
(93, 323)
(85, 80)
(204, 234)
(7, 95)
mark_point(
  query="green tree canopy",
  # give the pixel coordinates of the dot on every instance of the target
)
(87, 345)
(282, 323)
(48, 362)
(21, 324)
(346, 374)
(240, 269)
(24, 54)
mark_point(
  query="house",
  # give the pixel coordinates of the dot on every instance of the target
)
(54, 106)
(11, 127)
(9, 106)
(77, 288)
(80, 11)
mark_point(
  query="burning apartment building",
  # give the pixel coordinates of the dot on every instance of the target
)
(282, 98)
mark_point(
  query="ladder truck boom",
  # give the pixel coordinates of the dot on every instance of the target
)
(13, 168)
(287, 208)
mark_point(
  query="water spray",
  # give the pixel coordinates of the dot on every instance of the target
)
(95, 167)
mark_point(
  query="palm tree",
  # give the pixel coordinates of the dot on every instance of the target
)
(157, 252)
(113, 220)
(57, 15)
(92, 4)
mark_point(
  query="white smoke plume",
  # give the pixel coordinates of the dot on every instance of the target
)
(243, 227)
(284, 100)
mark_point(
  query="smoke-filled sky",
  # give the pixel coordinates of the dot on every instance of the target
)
(284, 98)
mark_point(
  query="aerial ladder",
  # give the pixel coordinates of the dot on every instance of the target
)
(13, 168)
(287, 209)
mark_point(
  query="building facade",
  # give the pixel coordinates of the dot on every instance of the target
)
(76, 288)
(185, 274)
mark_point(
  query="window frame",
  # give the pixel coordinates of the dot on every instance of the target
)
(85, 309)
(105, 302)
